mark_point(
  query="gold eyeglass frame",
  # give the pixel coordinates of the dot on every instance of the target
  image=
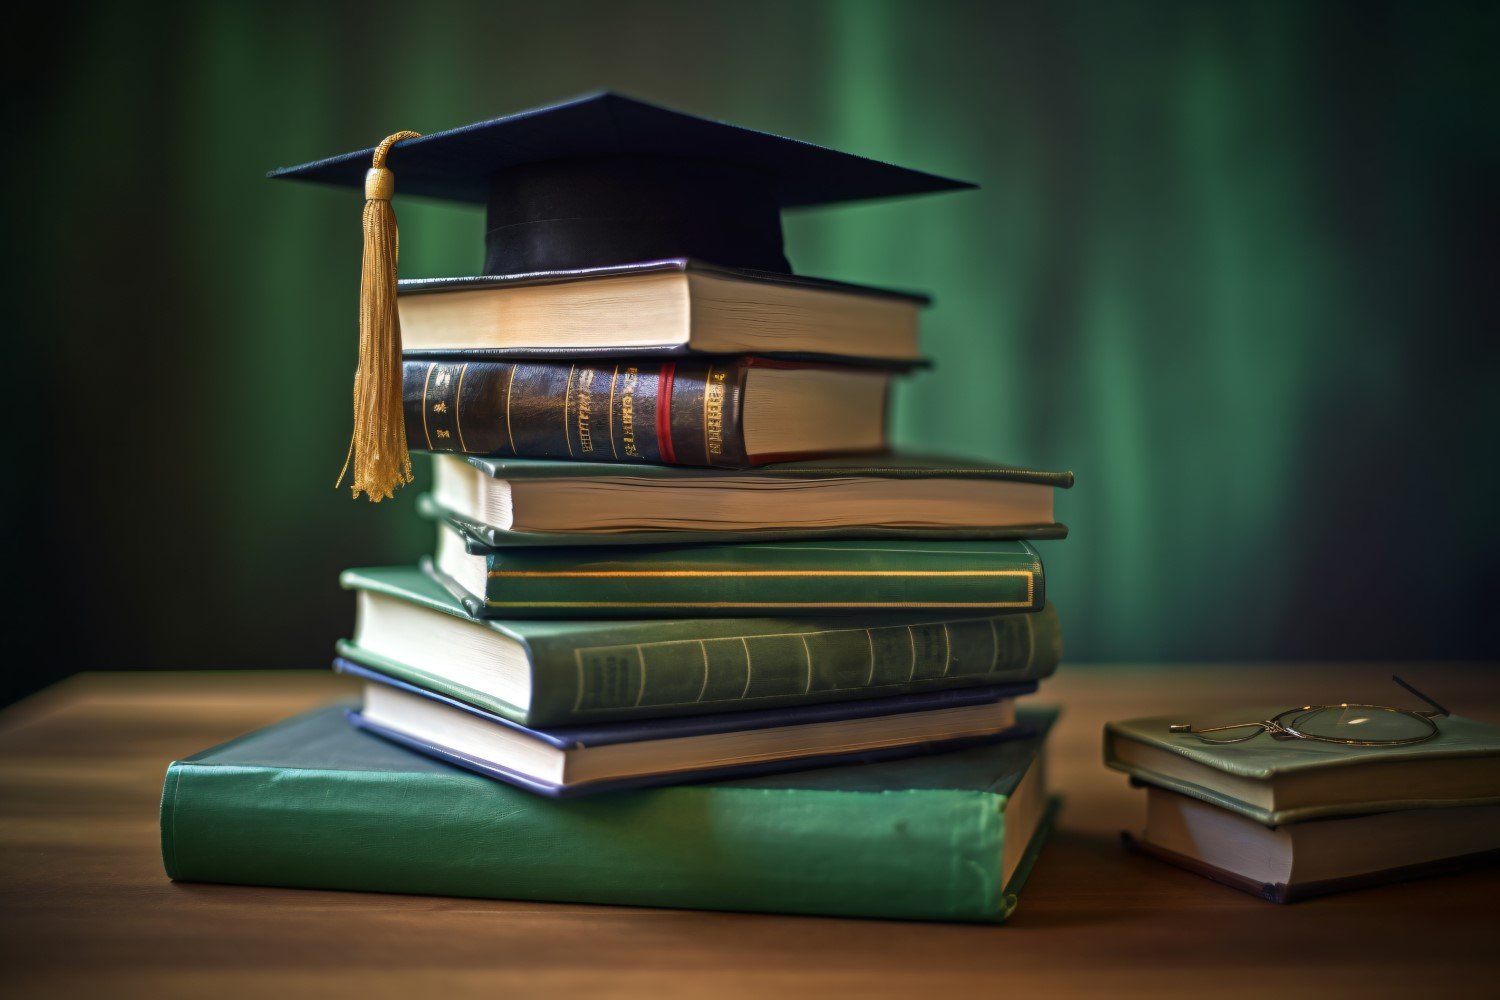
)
(1281, 729)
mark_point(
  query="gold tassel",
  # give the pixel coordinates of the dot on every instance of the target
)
(377, 448)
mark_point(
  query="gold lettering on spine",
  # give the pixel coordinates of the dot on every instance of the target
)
(713, 413)
(627, 411)
(585, 409)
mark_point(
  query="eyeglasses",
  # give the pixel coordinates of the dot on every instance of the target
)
(1346, 724)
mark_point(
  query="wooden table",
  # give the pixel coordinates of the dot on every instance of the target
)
(87, 910)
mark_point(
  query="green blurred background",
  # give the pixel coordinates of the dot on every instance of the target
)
(1233, 264)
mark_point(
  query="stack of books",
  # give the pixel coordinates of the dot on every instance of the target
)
(1287, 818)
(691, 634)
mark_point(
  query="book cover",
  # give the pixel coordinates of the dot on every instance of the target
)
(589, 671)
(314, 803)
(771, 578)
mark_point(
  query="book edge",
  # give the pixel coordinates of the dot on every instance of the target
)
(488, 537)
(1010, 896)
(1293, 892)
(684, 265)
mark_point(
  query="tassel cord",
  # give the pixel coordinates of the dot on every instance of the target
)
(377, 446)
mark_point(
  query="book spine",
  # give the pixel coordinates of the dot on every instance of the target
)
(674, 412)
(920, 855)
(761, 580)
(641, 678)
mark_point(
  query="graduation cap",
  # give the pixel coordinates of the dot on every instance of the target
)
(600, 180)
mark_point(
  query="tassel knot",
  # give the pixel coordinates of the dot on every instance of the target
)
(377, 447)
(380, 184)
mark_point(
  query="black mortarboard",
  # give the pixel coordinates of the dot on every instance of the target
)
(599, 180)
(606, 179)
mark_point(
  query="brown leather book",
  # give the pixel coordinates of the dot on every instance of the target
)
(734, 412)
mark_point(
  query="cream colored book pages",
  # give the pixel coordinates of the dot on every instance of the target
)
(743, 317)
(716, 504)
(791, 411)
(633, 310)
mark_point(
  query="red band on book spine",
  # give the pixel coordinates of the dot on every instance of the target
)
(664, 412)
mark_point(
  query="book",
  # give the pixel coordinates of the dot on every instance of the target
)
(656, 306)
(725, 412)
(582, 760)
(769, 578)
(527, 501)
(552, 673)
(315, 803)
(1300, 860)
(1275, 781)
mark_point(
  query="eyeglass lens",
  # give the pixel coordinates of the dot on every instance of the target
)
(1357, 723)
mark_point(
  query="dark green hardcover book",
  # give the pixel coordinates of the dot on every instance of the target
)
(770, 578)
(553, 673)
(531, 502)
(314, 803)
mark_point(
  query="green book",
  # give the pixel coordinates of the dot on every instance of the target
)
(531, 502)
(554, 673)
(1282, 781)
(314, 803)
(769, 578)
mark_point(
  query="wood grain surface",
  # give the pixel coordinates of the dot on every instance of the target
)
(86, 909)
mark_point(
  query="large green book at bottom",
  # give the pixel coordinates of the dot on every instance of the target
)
(314, 803)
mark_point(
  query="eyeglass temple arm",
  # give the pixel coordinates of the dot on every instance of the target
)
(1439, 708)
(1182, 727)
